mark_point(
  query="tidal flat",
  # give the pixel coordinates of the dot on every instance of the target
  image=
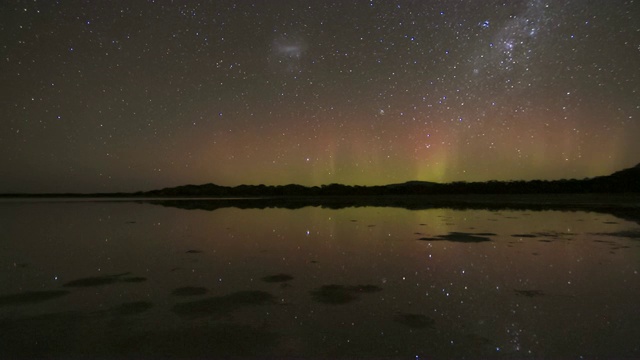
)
(192, 278)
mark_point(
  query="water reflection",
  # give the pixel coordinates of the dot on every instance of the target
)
(138, 279)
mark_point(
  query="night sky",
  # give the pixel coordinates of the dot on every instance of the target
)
(101, 96)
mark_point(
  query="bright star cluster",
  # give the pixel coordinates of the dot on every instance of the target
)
(136, 95)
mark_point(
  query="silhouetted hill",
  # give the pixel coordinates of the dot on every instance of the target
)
(629, 174)
(627, 180)
(413, 183)
(623, 181)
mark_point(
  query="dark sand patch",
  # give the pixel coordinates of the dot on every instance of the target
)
(104, 280)
(555, 234)
(339, 294)
(31, 297)
(529, 293)
(222, 305)
(458, 237)
(193, 251)
(613, 245)
(631, 234)
(132, 308)
(92, 281)
(620, 247)
(415, 321)
(525, 235)
(189, 291)
(333, 294)
(277, 278)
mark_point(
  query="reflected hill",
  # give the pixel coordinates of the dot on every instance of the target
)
(617, 194)
(624, 206)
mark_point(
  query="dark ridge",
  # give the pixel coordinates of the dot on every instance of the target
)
(623, 181)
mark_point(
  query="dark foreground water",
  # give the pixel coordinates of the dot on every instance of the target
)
(138, 280)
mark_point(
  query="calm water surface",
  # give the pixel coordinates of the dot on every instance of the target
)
(125, 279)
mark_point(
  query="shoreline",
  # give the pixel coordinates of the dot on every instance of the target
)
(625, 206)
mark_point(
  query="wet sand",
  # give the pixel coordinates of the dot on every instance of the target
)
(126, 279)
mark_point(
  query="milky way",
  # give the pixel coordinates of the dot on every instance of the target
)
(136, 95)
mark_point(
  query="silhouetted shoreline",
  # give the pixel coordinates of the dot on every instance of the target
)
(620, 182)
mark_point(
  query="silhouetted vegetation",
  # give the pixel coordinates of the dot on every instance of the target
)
(624, 181)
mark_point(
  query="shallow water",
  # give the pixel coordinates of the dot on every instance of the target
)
(132, 279)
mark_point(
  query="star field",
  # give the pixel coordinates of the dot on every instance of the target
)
(137, 95)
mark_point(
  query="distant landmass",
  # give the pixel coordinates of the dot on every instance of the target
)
(624, 181)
